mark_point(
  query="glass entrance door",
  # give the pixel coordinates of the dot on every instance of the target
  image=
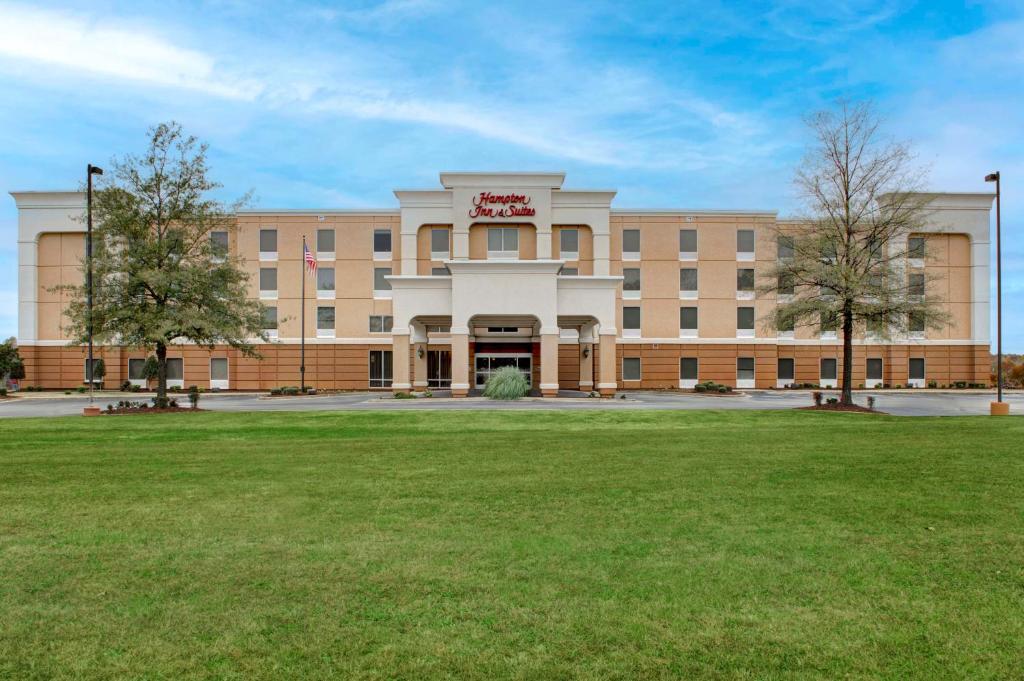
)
(439, 369)
(488, 363)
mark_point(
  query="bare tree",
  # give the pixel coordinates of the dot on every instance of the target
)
(844, 264)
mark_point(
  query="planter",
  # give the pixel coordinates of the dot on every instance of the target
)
(91, 411)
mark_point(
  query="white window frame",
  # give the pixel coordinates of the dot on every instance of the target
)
(220, 384)
(326, 255)
(745, 382)
(744, 295)
(445, 254)
(504, 253)
(640, 364)
(917, 382)
(689, 333)
(632, 256)
(745, 333)
(268, 256)
(382, 317)
(745, 256)
(689, 255)
(870, 382)
(917, 263)
(140, 382)
(828, 382)
(326, 333)
(177, 382)
(632, 295)
(379, 256)
(272, 333)
(779, 381)
(327, 293)
(227, 247)
(689, 294)
(384, 382)
(384, 294)
(631, 333)
(688, 383)
(569, 255)
(267, 294)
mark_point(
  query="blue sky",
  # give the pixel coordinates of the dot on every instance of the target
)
(675, 104)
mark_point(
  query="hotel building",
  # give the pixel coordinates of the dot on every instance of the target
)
(497, 269)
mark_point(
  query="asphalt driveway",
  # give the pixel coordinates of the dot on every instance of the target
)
(899, 403)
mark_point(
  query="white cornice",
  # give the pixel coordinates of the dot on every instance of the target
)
(503, 179)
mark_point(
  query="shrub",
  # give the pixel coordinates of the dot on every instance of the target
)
(126, 385)
(507, 383)
(832, 400)
(700, 388)
(173, 403)
(275, 391)
(427, 393)
(161, 402)
(871, 402)
(193, 396)
(817, 398)
(899, 386)
(404, 396)
(723, 388)
(933, 384)
(151, 368)
(290, 390)
(81, 389)
(3, 392)
(960, 384)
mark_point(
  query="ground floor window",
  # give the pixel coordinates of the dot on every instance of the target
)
(488, 363)
(380, 368)
(916, 376)
(630, 368)
(219, 372)
(786, 370)
(439, 369)
(744, 372)
(687, 372)
(873, 372)
(175, 372)
(136, 371)
(828, 369)
(88, 374)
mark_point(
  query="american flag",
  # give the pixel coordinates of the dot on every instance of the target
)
(310, 260)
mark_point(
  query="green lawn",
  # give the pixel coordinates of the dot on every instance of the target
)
(525, 544)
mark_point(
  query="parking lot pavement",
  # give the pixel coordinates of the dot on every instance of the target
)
(897, 403)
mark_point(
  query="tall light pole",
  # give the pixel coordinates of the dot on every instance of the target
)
(994, 177)
(89, 172)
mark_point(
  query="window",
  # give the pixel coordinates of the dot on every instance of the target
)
(915, 248)
(631, 244)
(915, 324)
(687, 372)
(445, 328)
(88, 374)
(873, 372)
(744, 372)
(828, 369)
(570, 272)
(502, 329)
(439, 248)
(916, 287)
(786, 328)
(744, 244)
(270, 321)
(631, 282)
(136, 371)
(785, 370)
(325, 322)
(381, 323)
(268, 282)
(688, 282)
(440, 272)
(325, 282)
(876, 327)
(785, 285)
(219, 372)
(916, 374)
(219, 244)
(382, 244)
(631, 322)
(502, 242)
(630, 368)
(744, 322)
(325, 243)
(268, 244)
(687, 244)
(380, 368)
(381, 286)
(786, 251)
(569, 244)
(688, 322)
(829, 324)
(175, 372)
(745, 283)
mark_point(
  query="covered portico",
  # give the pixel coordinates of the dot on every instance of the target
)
(503, 301)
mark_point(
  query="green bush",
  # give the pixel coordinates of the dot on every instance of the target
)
(700, 388)
(3, 392)
(507, 383)
(723, 388)
(193, 395)
(290, 390)
(275, 391)
(404, 396)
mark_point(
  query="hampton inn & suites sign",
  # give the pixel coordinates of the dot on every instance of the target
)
(491, 205)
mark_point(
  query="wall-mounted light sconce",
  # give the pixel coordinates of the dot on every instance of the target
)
(586, 351)
(419, 352)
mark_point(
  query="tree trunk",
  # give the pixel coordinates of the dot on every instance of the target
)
(161, 375)
(847, 395)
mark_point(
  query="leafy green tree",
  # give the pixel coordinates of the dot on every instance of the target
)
(11, 365)
(160, 277)
(844, 264)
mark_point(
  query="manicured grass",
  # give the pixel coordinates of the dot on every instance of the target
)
(512, 544)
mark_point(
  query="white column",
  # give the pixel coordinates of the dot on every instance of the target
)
(607, 381)
(549, 364)
(460, 361)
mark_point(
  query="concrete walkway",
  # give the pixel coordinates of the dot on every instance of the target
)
(902, 403)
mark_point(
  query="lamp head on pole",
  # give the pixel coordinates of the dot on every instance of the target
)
(992, 177)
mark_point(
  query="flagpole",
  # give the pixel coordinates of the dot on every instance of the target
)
(302, 323)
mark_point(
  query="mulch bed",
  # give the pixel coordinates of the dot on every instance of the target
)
(149, 410)
(841, 407)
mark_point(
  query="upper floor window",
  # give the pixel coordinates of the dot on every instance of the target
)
(744, 244)
(325, 322)
(744, 322)
(325, 244)
(569, 244)
(439, 244)
(687, 244)
(631, 244)
(786, 328)
(382, 244)
(915, 325)
(786, 250)
(325, 282)
(268, 244)
(631, 322)
(381, 323)
(381, 286)
(270, 321)
(268, 282)
(630, 282)
(829, 325)
(502, 242)
(745, 283)
(916, 284)
(785, 285)
(688, 282)
(570, 271)
(916, 248)
(440, 272)
(688, 322)
(219, 244)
